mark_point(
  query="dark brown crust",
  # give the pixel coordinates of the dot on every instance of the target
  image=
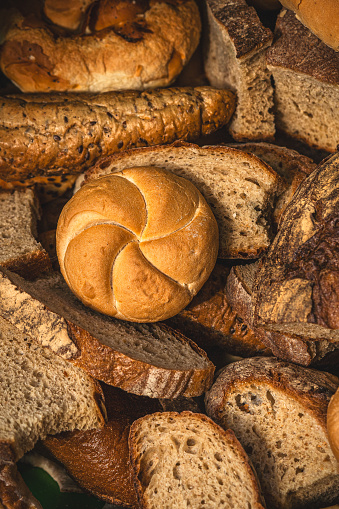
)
(242, 25)
(89, 127)
(228, 435)
(210, 320)
(311, 388)
(14, 494)
(297, 282)
(296, 48)
(30, 265)
(239, 292)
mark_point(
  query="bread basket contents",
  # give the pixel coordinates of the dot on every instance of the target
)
(185, 459)
(51, 134)
(101, 46)
(138, 244)
(278, 410)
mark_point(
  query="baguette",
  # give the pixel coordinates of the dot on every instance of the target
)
(145, 359)
(59, 133)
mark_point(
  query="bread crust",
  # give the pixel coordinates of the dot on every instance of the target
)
(55, 134)
(333, 423)
(322, 18)
(14, 493)
(149, 50)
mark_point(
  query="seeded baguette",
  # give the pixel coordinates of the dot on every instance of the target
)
(58, 133)
(145, 359)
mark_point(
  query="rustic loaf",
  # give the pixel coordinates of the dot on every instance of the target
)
(322, 18)
(240, 189)
(186, 460)
(19, 249)
(48, 134)
(306, 79)
(235, 47)
(277, 411)
(137, 244)
(296, 292)
(145, 359)
(99, 459)
(289, 164)
(41, 394)
(118, 45)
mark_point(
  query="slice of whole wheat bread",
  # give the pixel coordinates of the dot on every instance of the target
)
(145, 359)
(40, 394)
(240, 189)
(186, 460)
(277, 411)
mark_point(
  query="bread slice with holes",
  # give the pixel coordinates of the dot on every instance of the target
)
(277, 411)
(240, 189)
(145, 359)
(19, 249)
(185, 460)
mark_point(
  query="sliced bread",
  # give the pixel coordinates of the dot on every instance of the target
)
(19, 249)
(186, 460)
(296, 293)
(40, 394)
(235, 47)
(306, 79)
(277, 411)
(288, 163)
(145, 359)
(240, 189)
(210, 320)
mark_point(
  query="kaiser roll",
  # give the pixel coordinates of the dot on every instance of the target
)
(333, 423)
(137, 244)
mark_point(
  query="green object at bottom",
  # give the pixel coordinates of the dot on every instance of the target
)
(47, 491)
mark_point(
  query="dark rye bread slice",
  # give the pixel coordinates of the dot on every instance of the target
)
(296, 294)
(186, 460)
(211, 320)
(53, 134)
(145, 359)
(240, 189)
(277, 411)
(19, 249)
(288, 163)
(306, 80)
(235, 45)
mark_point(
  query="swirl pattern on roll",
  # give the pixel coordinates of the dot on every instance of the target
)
(137, 244)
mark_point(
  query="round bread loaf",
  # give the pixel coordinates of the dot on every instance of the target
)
(320, 16)
(101, 45)
(333, 423)
(137, 244)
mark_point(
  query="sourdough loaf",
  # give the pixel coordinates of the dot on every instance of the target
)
(277, 411)
(288, 163)
(145, 359)
(19, 249)
(322, 18)
(240, 189)
(41, 394)
(306, 79)
(296, 290)
(117, 45)
(235, 47)
(50, 134)
(185, 459)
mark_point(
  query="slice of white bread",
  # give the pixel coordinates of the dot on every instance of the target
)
(145, 359)
(277, 411)
(235, 45)
(40, 394)
(186, 460)
(240, 189)
(306, 79)
(19, 249)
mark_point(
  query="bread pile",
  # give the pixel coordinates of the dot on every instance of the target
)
(234, 400)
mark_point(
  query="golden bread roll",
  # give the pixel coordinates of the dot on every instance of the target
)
(333, 423)
(99, 46)
(137, 244)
